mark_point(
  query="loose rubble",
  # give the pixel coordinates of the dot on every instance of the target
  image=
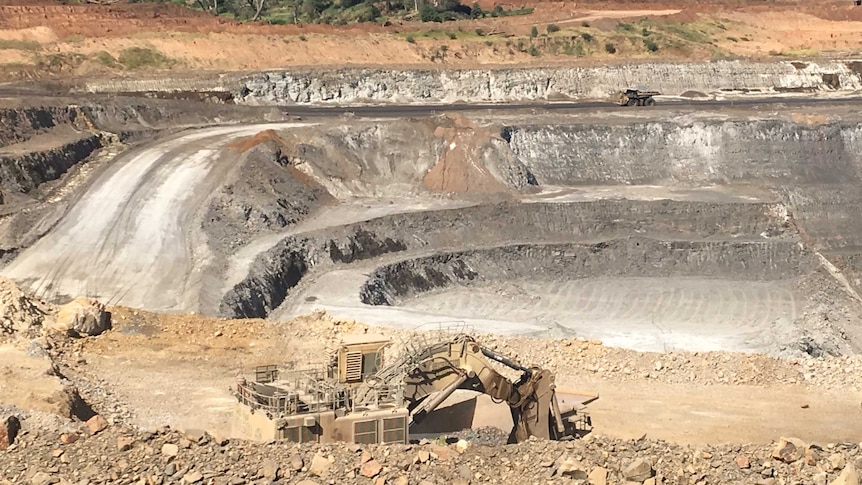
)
(124, 455)
(18, 312)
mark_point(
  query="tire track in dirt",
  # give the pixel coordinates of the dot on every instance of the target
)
(130, 227)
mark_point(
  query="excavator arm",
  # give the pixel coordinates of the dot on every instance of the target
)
(463, 364)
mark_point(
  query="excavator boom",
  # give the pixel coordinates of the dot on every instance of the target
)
(462, 363)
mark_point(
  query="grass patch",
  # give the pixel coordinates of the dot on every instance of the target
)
(797, 53)
(691, 32)
(106, 59)
(519, 11)
(20, 45)
(144, 58)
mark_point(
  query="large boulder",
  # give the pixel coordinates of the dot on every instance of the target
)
(82, 317)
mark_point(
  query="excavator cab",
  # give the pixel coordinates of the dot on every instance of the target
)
(357, 357)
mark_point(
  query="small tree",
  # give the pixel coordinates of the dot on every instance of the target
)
(650, 45)
(610, 49)
(534, 32)
(476, 11)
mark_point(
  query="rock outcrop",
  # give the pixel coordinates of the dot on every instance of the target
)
(531, 84)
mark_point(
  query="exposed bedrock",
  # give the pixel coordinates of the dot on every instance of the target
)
(488, 225)
(815, 169)
(26, 171)
(756, 261)
(273, 275)
(262, 193)
(18, 125)
(527, 84)
(697, 153)
(447, 154)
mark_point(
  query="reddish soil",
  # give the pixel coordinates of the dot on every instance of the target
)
(45, 39)
(460, 168)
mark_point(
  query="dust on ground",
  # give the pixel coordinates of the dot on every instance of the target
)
(177, 370)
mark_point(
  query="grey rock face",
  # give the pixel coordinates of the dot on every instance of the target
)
(501, 85)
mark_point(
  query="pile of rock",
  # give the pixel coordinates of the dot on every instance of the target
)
(18, 312)
(589, 359)
(99, 453)
(23, 314)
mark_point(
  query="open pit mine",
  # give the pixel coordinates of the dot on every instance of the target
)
(718, 230)
(682, 226)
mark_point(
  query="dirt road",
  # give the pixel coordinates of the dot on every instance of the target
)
(695, 414)
(133, 226)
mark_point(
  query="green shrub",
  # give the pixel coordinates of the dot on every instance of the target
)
(480, 32)
(587, 36)
(534, 51)
(476, 12)
(428, 13)
(105, 59)
(650, 45)
(141, 57)
(452, 35)
(585, 24)
(553, 28)
(534, 32)
(610, 48)
(411, 39)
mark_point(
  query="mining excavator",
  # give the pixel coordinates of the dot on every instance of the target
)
(358, 399)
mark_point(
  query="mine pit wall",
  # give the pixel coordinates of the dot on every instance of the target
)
(19, 125)
(26, 172)
(699, 153)
(758, 261)
(529, 84)
(815, 170)
(310, 86)
(275, 272)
